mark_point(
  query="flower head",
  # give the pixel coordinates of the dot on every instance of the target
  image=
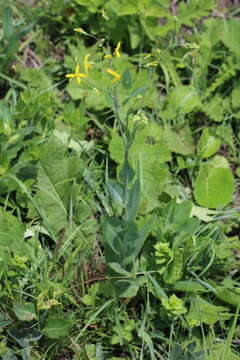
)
(77, 75)
(80, 30)
(116, 76)
(152, 63)
(108, 56)
(116, 51)
(87, 65)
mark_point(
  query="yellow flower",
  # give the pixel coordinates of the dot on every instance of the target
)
(117, 52)
(80, 30)
(77, 74)
(116, 76)
(153, 63)
(87, 65)
(108, 56)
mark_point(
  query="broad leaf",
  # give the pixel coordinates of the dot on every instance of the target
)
(11, 231)
(202, 311)
(25, 311)
(56, 328)
(180, 142)
(214, 185)
(208, 144)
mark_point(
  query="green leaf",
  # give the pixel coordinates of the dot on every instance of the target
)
(214, 185)
(7, 23)
(133, 201)
(217, 351)
(128, 288)
(194, 10)
(6, 124)
(173, 271)
(149, 149)
(25, 311)
(126, 174)
(116, 192)
(11, 231)
(118, 269)
(56, 173)
(182, 212)
(23, 335)
(184, 98)
(122, 9)
(229, 295)
(202, 311)
(230, 35)
(56, 328)
(189, 286)
(208, 144)
(180, 142)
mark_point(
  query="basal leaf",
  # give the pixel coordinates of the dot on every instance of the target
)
(214, 185)
(180, 142)
(25, 311)
(184, 98)
(208, 144)
(56, 328)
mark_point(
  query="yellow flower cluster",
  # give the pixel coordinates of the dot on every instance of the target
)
(80, 75)
(77, 74)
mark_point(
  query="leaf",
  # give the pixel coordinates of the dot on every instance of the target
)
(182, 212)
(214, 185)
(111, 228)
(194, 10)
(133, 201)
(8, 23)
(180, 142)
(189, 286)
(126, 174)
(230, 35)
(116, 192)
(150, 150)
(25, 311)
(184, 98)
(56, 328)
(6, 119)
(122, 9)
(23, 335)
(55, 191)
(11, 231)
(202, 311)
(157, 290)
(216, 353)
(128, 288)
(202, 213)
(208, 144)
(229, 295)
(118, 269)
